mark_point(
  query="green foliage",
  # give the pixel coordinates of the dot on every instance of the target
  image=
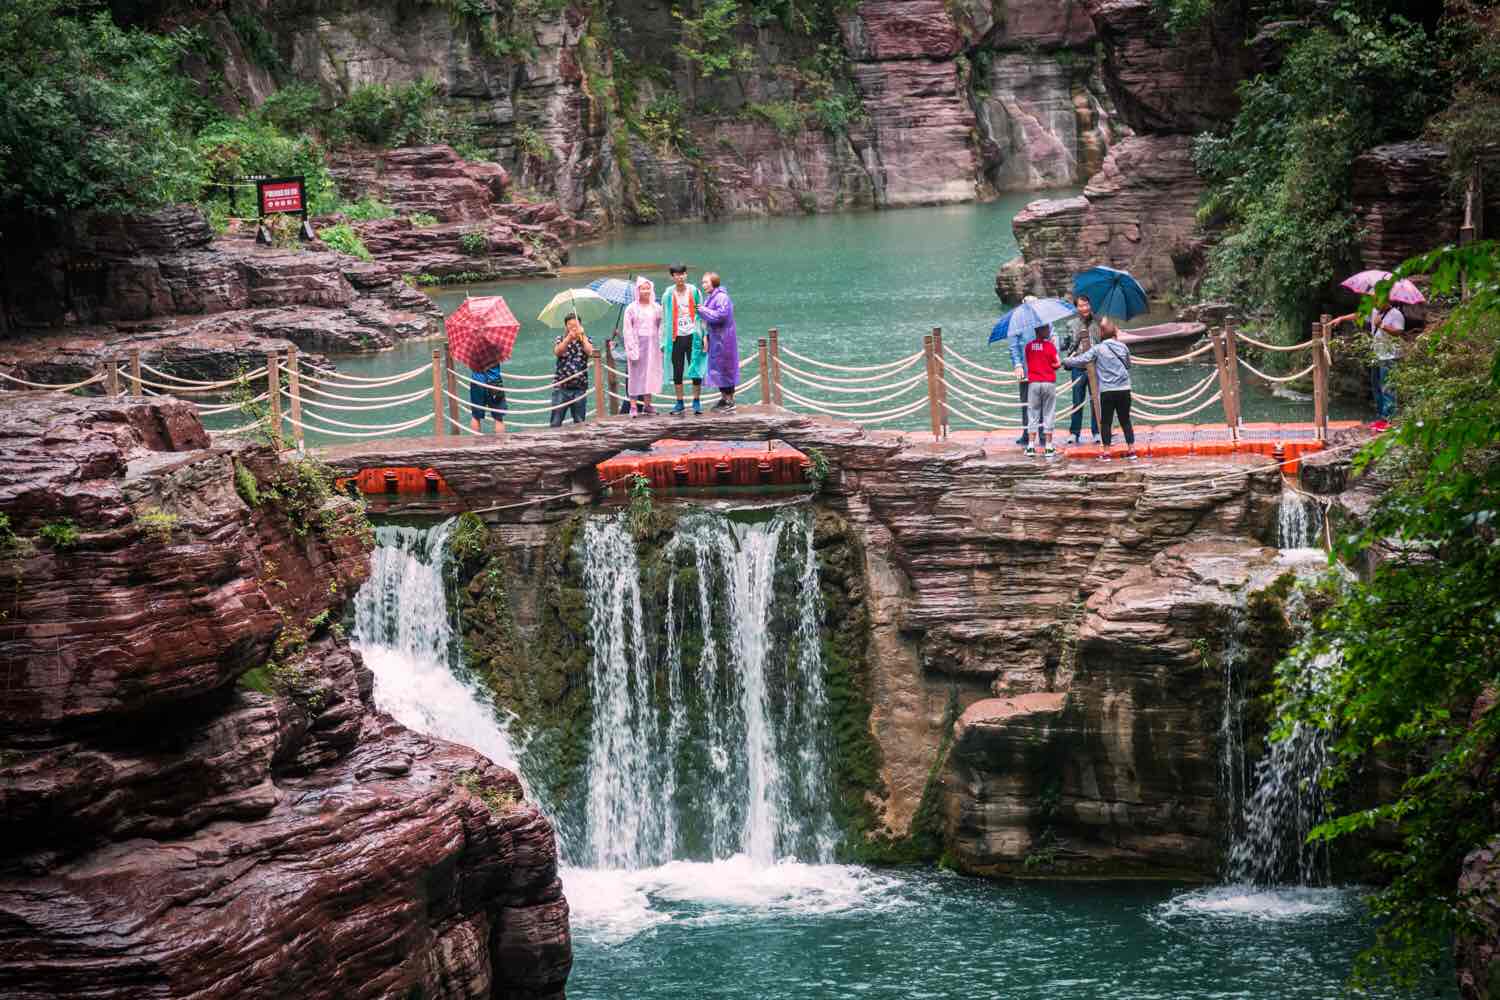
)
(258, 43)
(1179, 16)
(345, 240)
(366, 209)
(1419, 641)
(1281, 175)
(94, 116)
(837, 111)
(474, 242)
(233, 149)
(461, 278)
(787, 117)
(469, 539)
(421, 220)
(530, 142)
(496, 800)
(817, 473)
(641, 502)
(8, 539)
(303, 491)
(292, 107)
(707, 37)
(61, 535)
(158, 524)
(384, 114)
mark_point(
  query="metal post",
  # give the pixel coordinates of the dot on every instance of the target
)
(765, 375)
(942, 372)
(600, 400)
(1320, 380)
(451, 381)
(135, 372)
(111, 377)
(933, 403)
(273, 396)
(1232, 363)
(776, 366)
(439, 429)
(294, 386)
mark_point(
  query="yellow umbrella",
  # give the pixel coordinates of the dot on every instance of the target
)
(586, 302)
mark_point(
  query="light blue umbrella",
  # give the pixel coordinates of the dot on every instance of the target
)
(616, 290)
(1111, 292)
(1027, 316)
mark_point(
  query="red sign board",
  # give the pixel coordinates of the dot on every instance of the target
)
(281, 195)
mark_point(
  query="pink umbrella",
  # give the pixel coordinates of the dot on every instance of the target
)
(1403, 292)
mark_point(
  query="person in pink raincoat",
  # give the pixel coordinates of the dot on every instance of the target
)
(641, 331)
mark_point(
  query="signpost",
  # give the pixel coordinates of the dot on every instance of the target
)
(280, 196)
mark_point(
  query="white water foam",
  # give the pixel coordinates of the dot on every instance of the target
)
(1245, 902)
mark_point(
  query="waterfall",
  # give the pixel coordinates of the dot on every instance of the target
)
(1232, 721)
(402, 629)
(718, 750)
(1299, 521)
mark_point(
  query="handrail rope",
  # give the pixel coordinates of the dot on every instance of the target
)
(355, 382)
(901, 386)
(509, 410)
(1170, 361)
(975, 364)
(465, 428)
(893, 415)
(207, 410)
(516, 389)
(847, 368)
(1271, 378)
(1189, 392)
(988, 393)
(787, 366)
(858, 417)
(1172, 418)
(858, 403)
(387, 405)
(179, 390)
(983, 423)
(98, 377)
(1018, 404)
(390, 429)
(306, 412)
(754, 381)
(199, 382)
(1275, 347)
(750, 358)
(375, 380)
(973, 379)
(379, 401)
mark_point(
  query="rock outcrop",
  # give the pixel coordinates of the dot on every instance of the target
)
(197, 796)
(1406, 205)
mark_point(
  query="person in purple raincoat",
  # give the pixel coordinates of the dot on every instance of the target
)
(717, 312)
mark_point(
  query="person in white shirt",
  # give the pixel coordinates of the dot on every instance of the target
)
(1387, 331)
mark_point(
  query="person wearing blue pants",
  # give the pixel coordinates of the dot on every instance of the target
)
(1083, 333)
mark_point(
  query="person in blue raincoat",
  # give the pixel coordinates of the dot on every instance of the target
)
(723, 342)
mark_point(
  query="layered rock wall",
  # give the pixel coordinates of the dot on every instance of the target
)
(197, 796)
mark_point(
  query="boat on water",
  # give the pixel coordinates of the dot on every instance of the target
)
(1162, 335)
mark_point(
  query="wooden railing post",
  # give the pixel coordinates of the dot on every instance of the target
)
(600, 399)
(451, 381)
(273, 397)
(933, 403)
(1320, 380)
(942, 373)
(1226, 394)
(439, 429)
(609, 366)
(111, 376)
(1232, 364)
(1093, 373)
(776, 366)
(766, 394)
(135, 372)
(294, 386)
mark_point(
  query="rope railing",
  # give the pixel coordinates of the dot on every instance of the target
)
(1241, 335)
(954, 388)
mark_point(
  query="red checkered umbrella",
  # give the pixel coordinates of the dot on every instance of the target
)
(482, 332)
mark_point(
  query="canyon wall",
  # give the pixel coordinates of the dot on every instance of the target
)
(197, 795)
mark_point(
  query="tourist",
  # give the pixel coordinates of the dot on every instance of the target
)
(1386, 331)
(682, 334)
(1041, 373)
(1017, 345)
(1083, 333)
(723, 343)
(487, 395)
(1111, 360)
(642, 333)
(571, 376)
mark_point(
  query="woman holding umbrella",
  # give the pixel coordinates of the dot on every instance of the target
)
(1387, 330)
(1100, 291)
(641, 328)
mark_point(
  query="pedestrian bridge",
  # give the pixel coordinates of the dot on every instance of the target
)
(936, 400)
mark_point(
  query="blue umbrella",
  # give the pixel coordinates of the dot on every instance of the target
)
(1111, 292)
(1027, 316)
(614, 289)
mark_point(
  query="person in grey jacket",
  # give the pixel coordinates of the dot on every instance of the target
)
(1111, 360)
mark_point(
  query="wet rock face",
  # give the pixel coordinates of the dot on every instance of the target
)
(1404, 199)
(197, 797)
(1477, 952)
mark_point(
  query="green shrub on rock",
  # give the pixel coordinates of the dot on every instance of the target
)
(345, 240)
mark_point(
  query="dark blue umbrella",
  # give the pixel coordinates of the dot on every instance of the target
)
(1111, 292)
(1027, 316)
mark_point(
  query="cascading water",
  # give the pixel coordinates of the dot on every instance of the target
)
(1299, 521)
(720, 752)
(402, 629)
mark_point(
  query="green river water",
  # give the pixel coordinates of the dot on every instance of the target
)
(852, 289)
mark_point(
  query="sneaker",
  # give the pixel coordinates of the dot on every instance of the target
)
(727, 406)
(1104, 457)
(677, 410)
(1133, 456)
(1051, 452)
(1030, 451)
(722, 402)
(697, 406)
(1073, 441)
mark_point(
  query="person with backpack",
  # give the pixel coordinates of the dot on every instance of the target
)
(1111, 360)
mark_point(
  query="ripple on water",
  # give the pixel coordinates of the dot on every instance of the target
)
(1253, 903)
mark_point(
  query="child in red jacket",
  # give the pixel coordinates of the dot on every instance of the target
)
(1042, 364)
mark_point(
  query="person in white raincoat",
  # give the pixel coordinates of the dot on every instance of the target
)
(641, 330)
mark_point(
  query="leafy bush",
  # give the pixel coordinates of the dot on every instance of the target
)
(475, 242)
(421, 220)
(367, 209)
(93, 116)
(158, 524)
(292, 108)
(345, 240)
(837, 111)
(530, 142)
(59, 534)
(383, 114)
(707, 39)
(233, 149)
(787, 117)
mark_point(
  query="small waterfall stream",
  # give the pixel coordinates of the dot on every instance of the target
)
(1299, 521)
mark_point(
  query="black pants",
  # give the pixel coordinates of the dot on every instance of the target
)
(682, 353)
(1113, 402)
